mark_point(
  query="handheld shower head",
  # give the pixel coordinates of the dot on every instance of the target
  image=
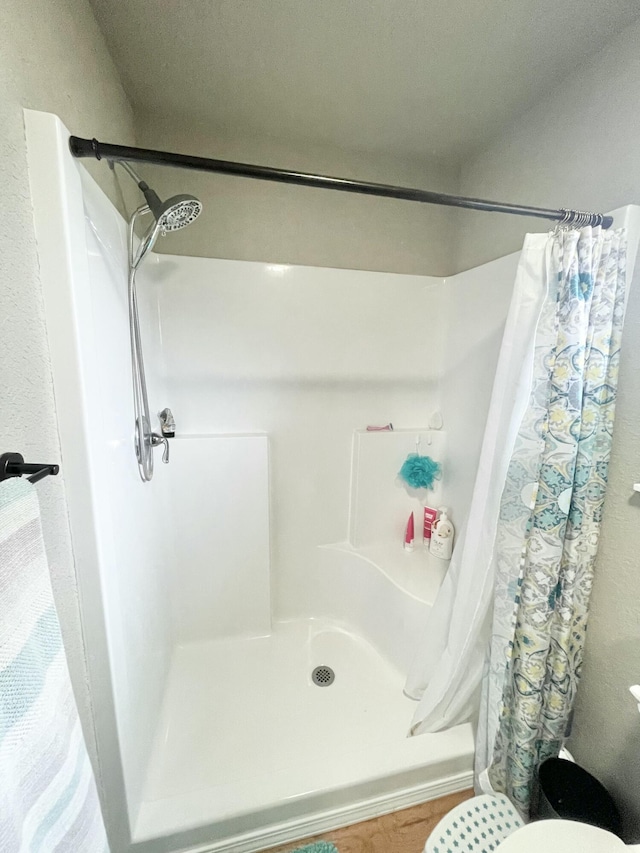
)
(171, 215)
(177, 212)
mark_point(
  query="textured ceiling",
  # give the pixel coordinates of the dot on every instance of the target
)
(435, 77)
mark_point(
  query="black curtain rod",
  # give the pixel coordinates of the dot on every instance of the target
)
(103, 150)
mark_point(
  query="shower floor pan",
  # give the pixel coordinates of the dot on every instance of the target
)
(253, 752)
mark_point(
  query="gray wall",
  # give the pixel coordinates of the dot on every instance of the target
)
(261, 221)
(579, 148)
(52, 58)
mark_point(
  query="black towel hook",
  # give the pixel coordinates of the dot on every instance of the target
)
(13, 465)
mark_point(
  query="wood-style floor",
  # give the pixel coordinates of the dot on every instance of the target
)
(400, 832)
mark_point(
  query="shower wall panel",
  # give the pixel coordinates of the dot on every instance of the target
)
(135, 579)
(118, 524)
(306, 356)
(476, 306)
(219, 497)
(380, 500)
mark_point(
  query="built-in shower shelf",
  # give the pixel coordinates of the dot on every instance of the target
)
(417, 573)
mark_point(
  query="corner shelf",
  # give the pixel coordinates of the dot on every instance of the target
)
(417, 573)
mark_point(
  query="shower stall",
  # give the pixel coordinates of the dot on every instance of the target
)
(250, 615)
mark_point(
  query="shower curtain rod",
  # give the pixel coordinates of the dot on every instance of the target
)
(103, 150)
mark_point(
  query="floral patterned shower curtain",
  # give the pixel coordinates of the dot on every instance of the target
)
(550, 512)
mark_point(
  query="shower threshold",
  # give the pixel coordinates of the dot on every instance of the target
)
(250, 751)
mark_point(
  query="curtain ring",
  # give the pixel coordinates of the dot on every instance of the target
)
(578, 219)
(565, 220)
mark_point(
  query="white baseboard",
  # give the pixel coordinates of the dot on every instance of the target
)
(300, 828)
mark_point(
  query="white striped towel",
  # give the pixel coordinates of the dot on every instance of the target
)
(48, 797)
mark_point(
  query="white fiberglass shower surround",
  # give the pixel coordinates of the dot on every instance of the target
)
(272, 543)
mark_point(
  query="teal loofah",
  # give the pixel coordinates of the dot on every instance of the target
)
(420, 472)
(317, 847)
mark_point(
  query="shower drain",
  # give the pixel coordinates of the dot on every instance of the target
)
(323, 676)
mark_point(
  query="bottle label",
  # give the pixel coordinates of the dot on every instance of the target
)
(437, 547)
(441, 548)
(430, 515)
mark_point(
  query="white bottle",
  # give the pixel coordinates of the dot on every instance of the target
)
(442, 532)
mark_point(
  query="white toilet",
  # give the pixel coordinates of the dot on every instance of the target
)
(563, 836)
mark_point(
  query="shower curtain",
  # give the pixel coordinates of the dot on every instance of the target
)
(523, 571)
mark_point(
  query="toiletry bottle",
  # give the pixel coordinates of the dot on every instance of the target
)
(430, 515)
(442, 536)
(409, 534)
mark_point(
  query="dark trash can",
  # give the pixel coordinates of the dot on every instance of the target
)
(565, 790)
